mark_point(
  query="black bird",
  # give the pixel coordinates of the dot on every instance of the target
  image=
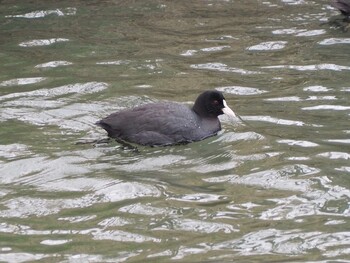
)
(343, 6)
(168, 123)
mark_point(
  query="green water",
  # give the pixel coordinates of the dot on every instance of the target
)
(274, 190)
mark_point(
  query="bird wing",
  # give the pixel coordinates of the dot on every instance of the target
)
(164, 123)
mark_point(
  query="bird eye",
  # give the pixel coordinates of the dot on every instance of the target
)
(215, 102)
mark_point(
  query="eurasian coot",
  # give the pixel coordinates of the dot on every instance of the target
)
(168, 123)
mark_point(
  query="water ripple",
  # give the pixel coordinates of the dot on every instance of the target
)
(214, 49)
(343, 169)
(56, 242)
(42, 42)
(325, 66)
(239, 90)
(293, 242)
(200, 198)
(327, 107)
(22, 257)
(197, 226)
(15, 150)
(107, 192)
(298, 99)
(317, 88)
(151, 163)
(21, 81)
(294, 2)
(77, 219)
(80, 88)
(299, 32)
(314, 202)
(122, 236)
(54, 64)
(114, 62)
(192, 52)
(335, 155)
(279, 121)
(216, 66)
(69, 11)
(334, 41)
(270, 45)
(340, 141)
(304, 144)
(57, 112)
(278, 179)
(239, 136)
(288, 31)
(141, 209)
(308, 33)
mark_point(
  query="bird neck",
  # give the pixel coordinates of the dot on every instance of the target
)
(202, 111)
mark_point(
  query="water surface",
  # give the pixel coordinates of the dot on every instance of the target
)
(275, 189)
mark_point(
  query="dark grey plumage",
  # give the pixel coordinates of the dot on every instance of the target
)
(342, 5)
(168, 123)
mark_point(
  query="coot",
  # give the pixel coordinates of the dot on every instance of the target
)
(168, 123)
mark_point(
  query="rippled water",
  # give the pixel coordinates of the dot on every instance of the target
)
(276, 188)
